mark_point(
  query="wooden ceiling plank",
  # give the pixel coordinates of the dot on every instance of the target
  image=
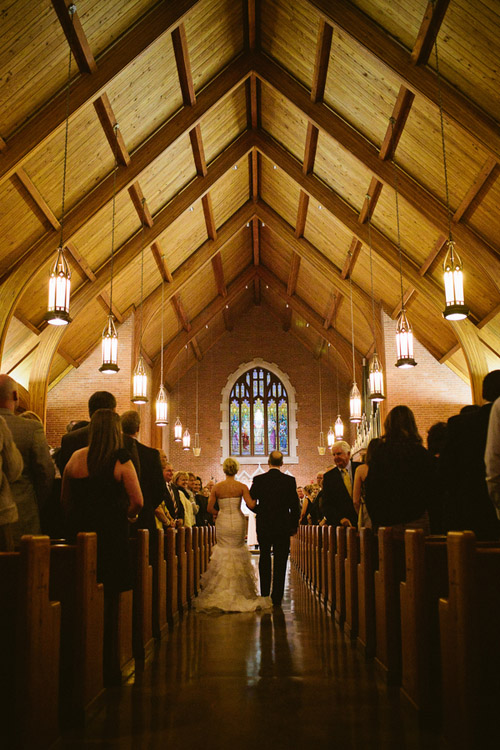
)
(257, 297)
(287, 318)
(228, 323)
(22, 359)
(208, 213)
(421, 80)
(180, 312)
(429, 29)
(300, 224)
(154, 24)
(34, 199)
(219, 275)
(351, 258)
(179, 41)
(256, 241)
(107, 118)
(104, 301)
(140, 204)
(293, 274)
(370, 203)
(76, 37)
(476, 192)
(400, 114)
(440, 243)
(160, 262)
(80, 261)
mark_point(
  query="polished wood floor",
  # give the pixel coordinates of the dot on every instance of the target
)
(286, 678)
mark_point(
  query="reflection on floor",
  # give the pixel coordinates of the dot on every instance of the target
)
(286, 678)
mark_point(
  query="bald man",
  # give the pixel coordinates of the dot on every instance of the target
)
(278, 512)
(34, 486)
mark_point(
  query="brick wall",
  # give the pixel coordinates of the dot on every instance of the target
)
(431, 390)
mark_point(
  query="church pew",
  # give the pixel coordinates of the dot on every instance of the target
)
(142, 623)
(368, 561)
(73, 582)
(314, 559)
(159, 602)
(29, 647)
(172, 598)
(351, 583)
(189, 565)
(340, 555)
(391, 571)
(470, 643)
(196, 558)
(324, 564)
(332, 547)
(425, 582)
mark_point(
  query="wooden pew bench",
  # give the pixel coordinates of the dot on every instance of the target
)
(390, 573)
(351, 583)
(172, 594)
(29, 647)
(142, 622)
(368, 563)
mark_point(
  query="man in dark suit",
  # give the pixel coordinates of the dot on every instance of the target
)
(77, 439)
(278, 512)
(173, 501)
(336, 501)
(153, 487)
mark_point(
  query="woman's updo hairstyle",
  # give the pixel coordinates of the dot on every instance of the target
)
(230, 467)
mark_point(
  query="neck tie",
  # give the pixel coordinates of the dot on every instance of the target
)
(347, 481)
(172, 495)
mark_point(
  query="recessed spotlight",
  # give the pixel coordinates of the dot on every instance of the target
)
(235, 166)
(320, 207)
(191, 208)
(206, 326)
(227, 307)
(248, 223)
(263, 224)
(275, 167)
(267, 287)
(307, 325)
(287, 304)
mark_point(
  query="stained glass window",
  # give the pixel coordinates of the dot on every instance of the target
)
(258, 414)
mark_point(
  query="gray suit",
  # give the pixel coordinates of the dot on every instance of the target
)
(34, 485)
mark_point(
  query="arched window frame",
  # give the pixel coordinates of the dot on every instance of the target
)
(292, 411)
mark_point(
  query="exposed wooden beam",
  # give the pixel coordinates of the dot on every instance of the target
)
(113, 134)
(371, 200)
(198, 150)
(252, 25)
(80, 261)
(140, 204)
(76, 37)
(310, 148)
(421, 80)
(34, 199)
(148, 360)
(180, 312)
(408, 295)
(454, 349)
(154, 24)
(179, 42)
(300, 224)
(478, 250)
(228, 323)
(351, 258)
(438, 246)
(208, 213)
(22, 359)
(394, 130)
(287, 320)
(429, 29)
(256, 241)
(257, 297)
(69, 359)
(29, 325)
(488, 318)
(333, 306)
(293, 274)
(196, 349)
(477, 191)
(160, 262)
(104, 300)
(255, 177)
(219, 275)
(323, 48)
(253, 98)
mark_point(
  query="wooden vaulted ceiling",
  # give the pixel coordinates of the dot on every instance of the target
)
(259, 144)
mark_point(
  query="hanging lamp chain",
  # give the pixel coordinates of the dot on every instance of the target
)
(142, 269)
(71, 11)
(393, 149)
(115, 128)
(352, 331)
(371, 267)
(162, 301)
(445, 167)
(336, 362)
(320, 398)
(197, 373)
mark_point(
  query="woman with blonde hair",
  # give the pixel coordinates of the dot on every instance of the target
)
(229, 584)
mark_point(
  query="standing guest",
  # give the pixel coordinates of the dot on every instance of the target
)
(336, 504)
(11, 467)
(181, 479)
(203, 517)
(278, 512)
(101, 493)
(309, 514)
(300, 493)
(359, 491)
(192, 479)
(79, 438)
(32, 489)
(492, 457)
(467, 504)
(151, 480)
(401, 482)
(171, 511)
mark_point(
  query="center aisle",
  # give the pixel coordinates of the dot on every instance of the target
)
(286, 678)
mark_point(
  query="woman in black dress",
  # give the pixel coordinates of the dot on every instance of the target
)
(101, 493)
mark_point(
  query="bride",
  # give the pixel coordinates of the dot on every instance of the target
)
(229, 582)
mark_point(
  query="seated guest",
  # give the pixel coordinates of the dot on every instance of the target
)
(401, 481)
(101, 493)
(11, 467)
(151, 480)
(359, 491)
(181, 479)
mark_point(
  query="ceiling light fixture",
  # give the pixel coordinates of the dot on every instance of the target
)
(161, 399)
(375, 372)
(140, 378)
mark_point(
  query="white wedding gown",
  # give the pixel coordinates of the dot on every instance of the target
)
(229, 583)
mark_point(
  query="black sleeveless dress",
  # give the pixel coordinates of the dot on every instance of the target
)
(99, 503)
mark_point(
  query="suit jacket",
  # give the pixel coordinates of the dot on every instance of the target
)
(336, 503)
(154, 490)
(170, 505)
(73, 441)
(278, 508)
(32, 489)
